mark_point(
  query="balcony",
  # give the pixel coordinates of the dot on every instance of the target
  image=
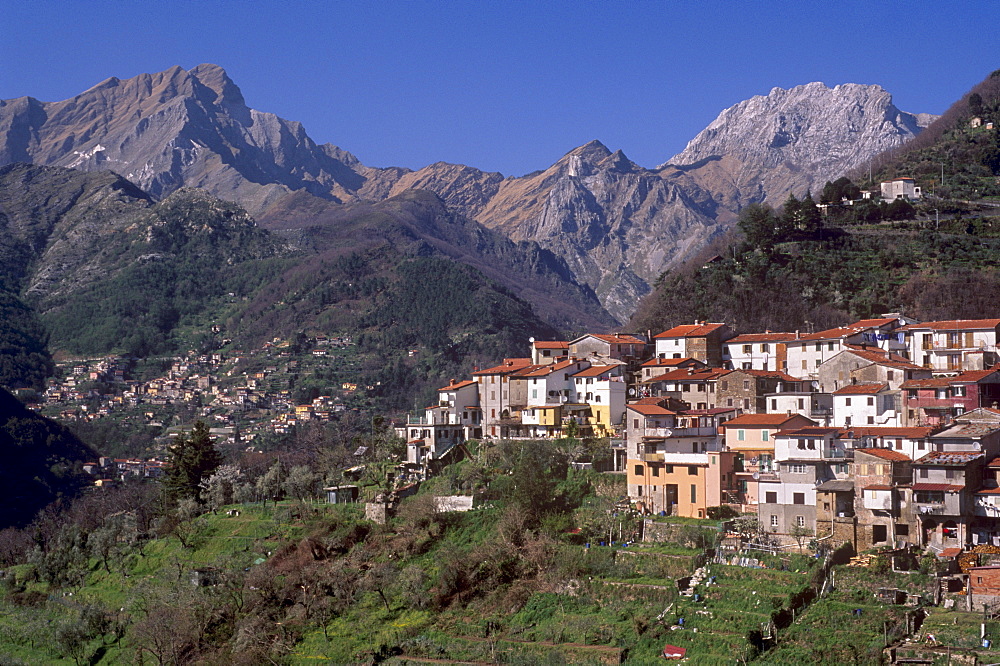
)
(652, 457)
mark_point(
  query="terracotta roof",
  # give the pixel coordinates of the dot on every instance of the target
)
(699, 375)
(617, 339)
(912, 432)
(747, 338)
(771, 374)
(950, 458)
(950, 552)
(551, 344)
(509, 365)
(885, 454)
(689, 331)
(544, 370)
(861, 389)
(877, 487)
(832, 334)
(988, 491)
(954, 325)
(650, 410)
(649, 401)
(946, 487)
(994, 463)
(671, 362)
(807, 431)
(969, 377)
(882, 321)
(773, 420)
(882, 357)
(595, 370)
(457, 385)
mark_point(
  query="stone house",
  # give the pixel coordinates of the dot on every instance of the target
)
(747, 390)
(701, 340)
(881, 510)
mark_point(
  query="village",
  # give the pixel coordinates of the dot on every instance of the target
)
(883, 432)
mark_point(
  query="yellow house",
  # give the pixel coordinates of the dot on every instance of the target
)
(751, 436)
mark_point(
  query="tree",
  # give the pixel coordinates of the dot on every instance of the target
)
(800, 532)
(300, 483)
(192, 460)
(759, 225)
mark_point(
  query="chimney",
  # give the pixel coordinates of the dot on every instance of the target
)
(691, 370)
(796, 334)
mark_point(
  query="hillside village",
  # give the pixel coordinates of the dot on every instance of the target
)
(881, 432)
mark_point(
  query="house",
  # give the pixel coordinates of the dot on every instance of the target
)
(881, 513)
(756, 351)
(900, 188)
(867, 365)
(805, 457)
(696, 387)
(675, 462)
(953, 345)
(751, 437)
(551, 400)
(748, 389)
(658, 366)
(942, 500)
(544, 352)
(913, 442)
(866, 404)
(806, 353)
(620, 346)
(702, 341)
(940, 400)
(985, 526)
(494, 394)
(602, 389)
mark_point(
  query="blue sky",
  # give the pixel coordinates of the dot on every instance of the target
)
(504, 86)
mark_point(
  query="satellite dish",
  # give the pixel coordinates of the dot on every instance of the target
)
(531, 339)
(756, 475)
(631, 391)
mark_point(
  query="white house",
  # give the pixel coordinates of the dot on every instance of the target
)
(866, 405)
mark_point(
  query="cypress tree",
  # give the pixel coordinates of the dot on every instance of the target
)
(192, 459)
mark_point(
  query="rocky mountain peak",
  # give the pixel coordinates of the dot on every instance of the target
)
(796, 139)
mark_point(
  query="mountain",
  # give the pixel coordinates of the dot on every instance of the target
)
(614, 225)
(789, 141)
(42, 461)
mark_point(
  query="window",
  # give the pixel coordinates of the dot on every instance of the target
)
(765, 348)
(798, 498)
(847, 402)
(920, 445)
(748, 366)
(818, 362)
(723, 385)
(804, 364)
(746, 384)
(800, 521)
(802, 404)
(923, 472)
(871, 401)
(889, 375)
(741, 435)
(747, 349)
(635, 423)
(774, 405)
(819, 346)
(692, 471)
(655, 469)
(764, 435)
(729, 402)
(694, 493)
(771, 497)
(796, 469)
(638, 470)
(774, 521)
(668, 469)
(829, 346)
(802, 444)
(958, 391)
(871, 420)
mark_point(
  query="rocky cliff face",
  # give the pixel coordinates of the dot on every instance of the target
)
(617, 226)
(792, 140)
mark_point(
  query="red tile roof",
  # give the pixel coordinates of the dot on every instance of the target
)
(833, 333)
(771, 374)
(913, 432)
(946, 487)
(950, 552)
(807, 431)
(861, 389)
(671, 362)
(748, 338)
(689, 331)
(772, 420)
(595, 370)
(457, 385)
(969, 377)
(618, 339)
(551, 344)
(650, 410)
(699, 375)
(885, 454)
(509, 365)
(871, 323)
(950, 458)
(877, 487)
(954, 325)
(882, 357)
